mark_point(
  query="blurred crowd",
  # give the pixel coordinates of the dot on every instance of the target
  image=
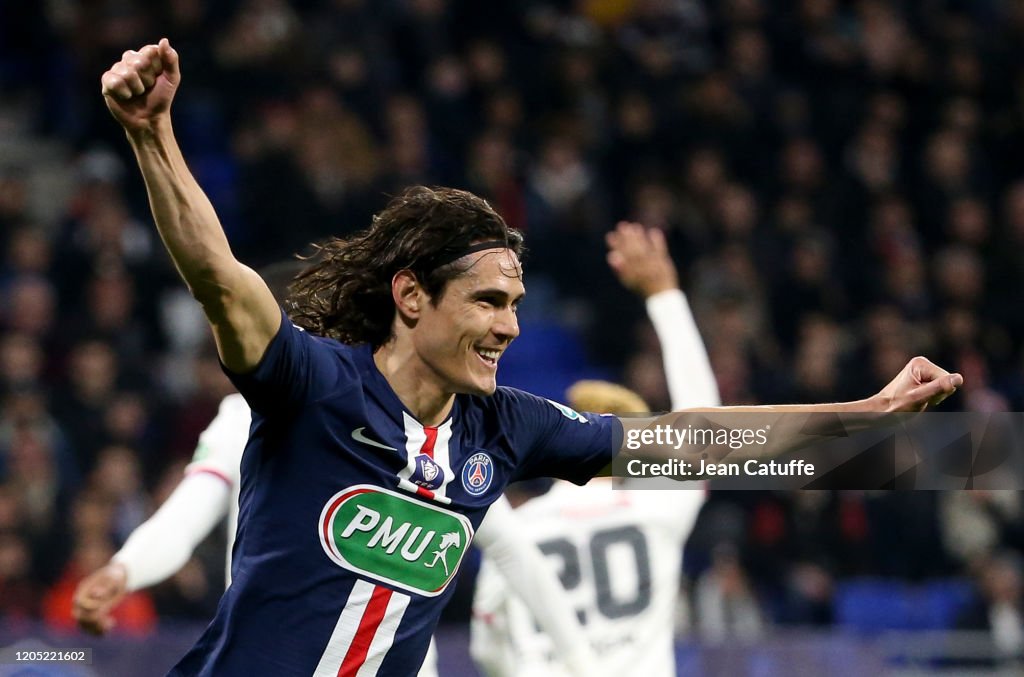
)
(837, 179)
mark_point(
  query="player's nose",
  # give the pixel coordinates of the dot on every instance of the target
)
(506, 325)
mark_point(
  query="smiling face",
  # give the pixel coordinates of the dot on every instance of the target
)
(461, 337)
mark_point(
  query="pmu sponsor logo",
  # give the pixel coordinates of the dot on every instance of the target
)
(394, 539)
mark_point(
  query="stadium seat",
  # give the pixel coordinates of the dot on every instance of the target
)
(545, 360)
(944, 600)
(873, 605)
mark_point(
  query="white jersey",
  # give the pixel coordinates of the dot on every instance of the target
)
(618, 555)
(219, 452)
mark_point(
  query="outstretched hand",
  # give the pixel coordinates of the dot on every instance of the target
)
(96, 597)
(139, 88)
(640, 259)
(920, 385)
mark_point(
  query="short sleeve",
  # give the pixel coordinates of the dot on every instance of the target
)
(220, 446)
(297, 368)
(556, 441)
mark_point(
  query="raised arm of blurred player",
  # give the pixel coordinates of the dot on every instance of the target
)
(640, 259)
(139, 90)
(530, 576)
(161, 545)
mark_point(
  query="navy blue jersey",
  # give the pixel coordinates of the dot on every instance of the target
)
(354, 518)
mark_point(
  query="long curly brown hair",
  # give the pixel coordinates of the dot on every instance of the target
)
(345, 292)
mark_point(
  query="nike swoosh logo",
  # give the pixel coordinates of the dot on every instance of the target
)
(358, 436)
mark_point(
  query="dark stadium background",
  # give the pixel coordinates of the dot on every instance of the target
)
(842, 185)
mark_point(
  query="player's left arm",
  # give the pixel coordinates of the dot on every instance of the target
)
(919, 386)
(528, 574)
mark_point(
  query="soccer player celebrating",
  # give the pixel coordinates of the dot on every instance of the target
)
(378, 443)
(209, 491)
(618, 552)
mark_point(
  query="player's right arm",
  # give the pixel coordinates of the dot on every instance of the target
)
(244, 316)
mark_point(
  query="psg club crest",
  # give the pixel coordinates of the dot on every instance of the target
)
(428, 473)
(477, 474)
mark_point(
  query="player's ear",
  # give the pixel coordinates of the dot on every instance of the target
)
(407, 294)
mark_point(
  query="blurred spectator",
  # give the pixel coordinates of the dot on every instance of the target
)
(808, 287)
(561, 187)
(665, 38)
(118, 476)
(960, 276)
(33, 472)
(19, 593)
(30, 307)
(260, 43)
(101, 236)
(127, 420)
(109, 314)
(821, 349)
(911, 547)
(726, 608)
(193, 414)
(28, 253)
(645, 375)
(492, 173)
(412, 155)
(21, 362)
(975, 524)
(1000, 579)
(10, 509)
(93, 371)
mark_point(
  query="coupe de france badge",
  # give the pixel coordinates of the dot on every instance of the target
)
(428, 473)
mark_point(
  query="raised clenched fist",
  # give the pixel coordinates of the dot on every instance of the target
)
(139, 88)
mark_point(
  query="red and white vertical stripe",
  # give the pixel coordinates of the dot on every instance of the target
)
(364, 633)
(433, 442)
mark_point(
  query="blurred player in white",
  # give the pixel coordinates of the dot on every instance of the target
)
(162, 545)
(618, 553)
